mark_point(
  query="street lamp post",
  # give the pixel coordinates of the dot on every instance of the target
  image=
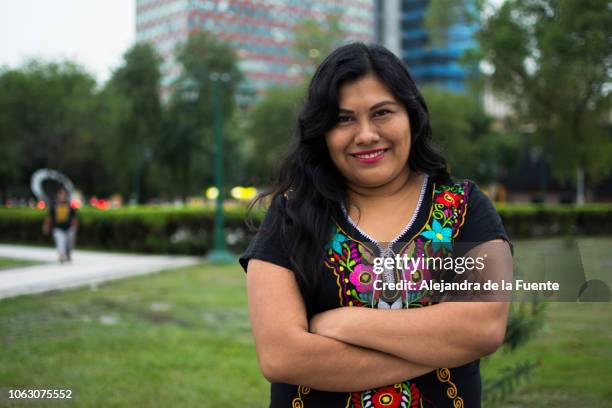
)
(219, 253)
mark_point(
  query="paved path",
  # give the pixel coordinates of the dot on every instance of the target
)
(87, 268)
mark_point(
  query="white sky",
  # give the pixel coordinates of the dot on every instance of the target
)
(94, 33)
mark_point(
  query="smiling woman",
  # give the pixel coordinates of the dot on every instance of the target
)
(371, 142)
(362, 181)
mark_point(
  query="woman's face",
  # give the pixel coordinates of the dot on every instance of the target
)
(370, 143)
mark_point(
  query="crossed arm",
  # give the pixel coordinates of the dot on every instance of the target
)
(442, 335)
(289, 353)
(387, 347)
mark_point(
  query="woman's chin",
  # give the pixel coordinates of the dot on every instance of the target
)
(376, 179)
(372, 182)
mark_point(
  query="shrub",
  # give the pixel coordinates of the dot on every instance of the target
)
(189, 230)
(139, 229)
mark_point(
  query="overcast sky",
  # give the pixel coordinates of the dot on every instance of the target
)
(94, 33)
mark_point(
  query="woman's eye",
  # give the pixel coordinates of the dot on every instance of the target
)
(344, 119)
(382, 112)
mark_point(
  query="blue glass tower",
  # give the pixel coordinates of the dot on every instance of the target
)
(428, 65)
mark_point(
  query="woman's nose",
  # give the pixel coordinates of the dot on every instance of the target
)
(366, 134)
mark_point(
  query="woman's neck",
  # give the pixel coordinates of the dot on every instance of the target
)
(395, 190)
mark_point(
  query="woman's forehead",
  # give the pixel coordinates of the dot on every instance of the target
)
(364, 92)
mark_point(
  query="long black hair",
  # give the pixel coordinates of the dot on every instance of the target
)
(308, 189)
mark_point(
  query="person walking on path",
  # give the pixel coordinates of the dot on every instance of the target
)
(63, 222)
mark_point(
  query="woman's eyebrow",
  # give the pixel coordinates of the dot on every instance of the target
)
(374, 107)
(379, 104)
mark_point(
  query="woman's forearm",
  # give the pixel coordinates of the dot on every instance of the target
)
(443, 335)
(327, 364)
(448, 334)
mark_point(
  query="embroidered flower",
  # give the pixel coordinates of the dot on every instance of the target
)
(387, 397)
(440, 236)
(448, 199)
(362, 278)
(336, 243)
(416, 396)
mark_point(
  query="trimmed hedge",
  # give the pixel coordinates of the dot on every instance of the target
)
(531, 220)
(170, 230)
(187, 230)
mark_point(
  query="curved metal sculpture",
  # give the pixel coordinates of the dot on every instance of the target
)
(45, 183)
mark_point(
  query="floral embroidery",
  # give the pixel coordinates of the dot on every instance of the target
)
(363, 278)
(449, 205)
(448, 199)
(405, 395)
(336, 243)
(351, 261)
(438, 235)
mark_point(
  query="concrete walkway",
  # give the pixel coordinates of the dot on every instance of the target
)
(87, 268)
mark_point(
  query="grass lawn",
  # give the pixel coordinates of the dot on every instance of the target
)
(178, 338)
(8, 263)
(182, 338)
(573, 352)
(573, 349)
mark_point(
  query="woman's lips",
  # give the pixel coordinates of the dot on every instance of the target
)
(370, 156)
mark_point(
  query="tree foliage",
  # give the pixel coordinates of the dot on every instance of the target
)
(552, 61)
(314, 40)
(137, 83)
(271, 128)
(463, 131)
(189, 147)
(47, 119)
(119, 138)
(441, 15)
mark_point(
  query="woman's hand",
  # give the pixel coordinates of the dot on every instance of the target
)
(324, 323)
(448, 334)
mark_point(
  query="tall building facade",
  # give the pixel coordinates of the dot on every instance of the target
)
(400, 27)
(260, 31)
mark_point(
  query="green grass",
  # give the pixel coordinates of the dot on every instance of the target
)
(547, 257)
(573, 349)
(178, 338)
(182, 338)
(8, 263)
(573, 352)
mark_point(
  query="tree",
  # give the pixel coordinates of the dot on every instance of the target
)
(189, 145)
(270, 130)
(11, 134)
(137, 81)
(270, 124)
(552, 61)
(314, 40)
(47, 120)
(441, 15)
(463, 131)
(112, 110)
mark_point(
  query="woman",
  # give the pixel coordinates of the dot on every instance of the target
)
(362, 181)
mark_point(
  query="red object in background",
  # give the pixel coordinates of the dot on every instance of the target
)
(102, 204)
(75, 203)
(41, 205)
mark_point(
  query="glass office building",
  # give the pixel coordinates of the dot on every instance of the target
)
(260, 31)
(400, 26)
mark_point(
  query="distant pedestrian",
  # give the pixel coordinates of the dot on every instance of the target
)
(63, 222)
